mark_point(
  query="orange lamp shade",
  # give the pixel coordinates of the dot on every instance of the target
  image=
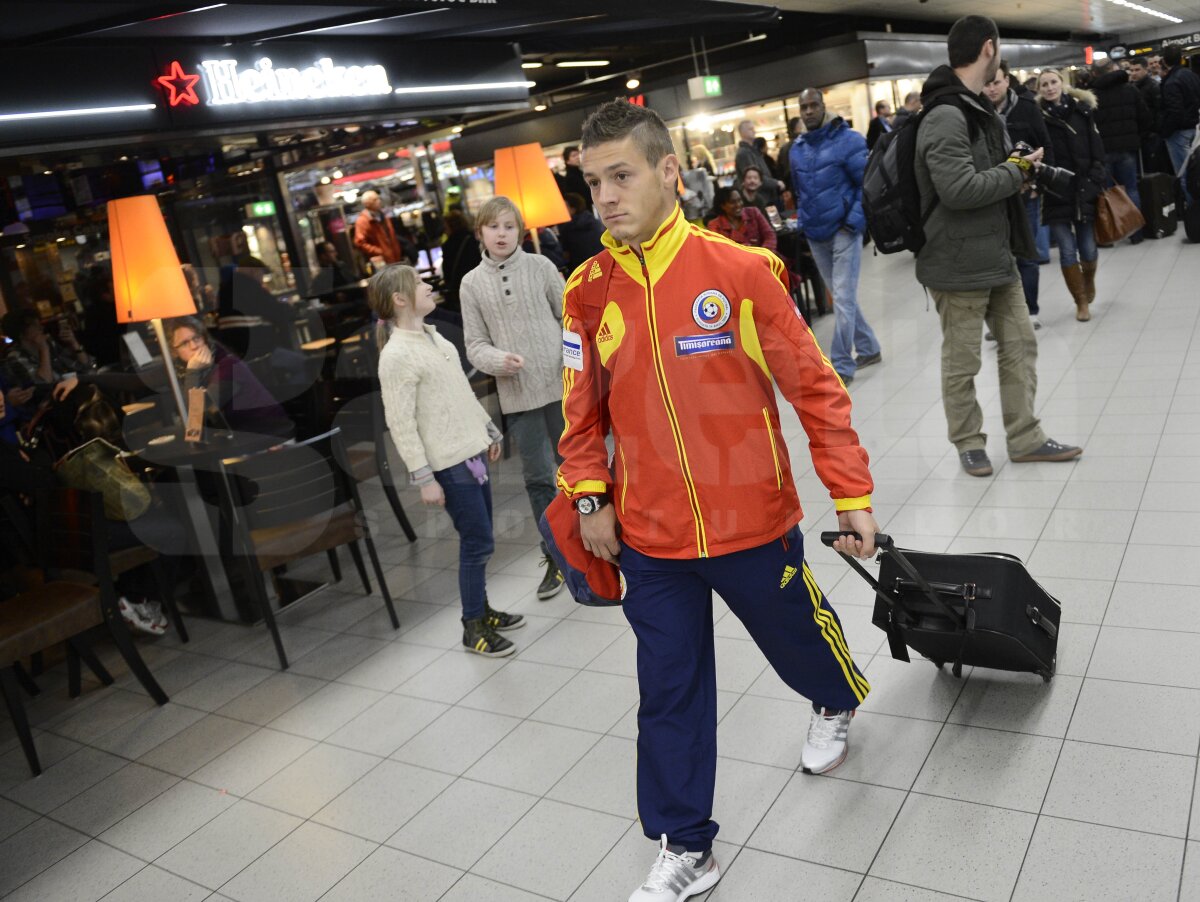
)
(148, 282)
(524, 178)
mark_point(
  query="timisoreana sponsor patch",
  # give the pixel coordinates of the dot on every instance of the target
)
(690, 345)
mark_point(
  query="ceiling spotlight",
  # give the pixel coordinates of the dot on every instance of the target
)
(457, 129)
(580, 64)
(325, 180)
(47, 172)
(540, 107)
(60, 240)
(532, 65)
(382, 155)
(633, 81)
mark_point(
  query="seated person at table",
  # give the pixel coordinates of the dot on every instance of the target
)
(245, 308)
(737, 222)
(37, 359)
(756, 193)
(331, 273)
(243, 401)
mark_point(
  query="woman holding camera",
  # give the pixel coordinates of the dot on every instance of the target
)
(1077, 147)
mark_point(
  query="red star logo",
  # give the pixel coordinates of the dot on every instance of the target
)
(181, 85)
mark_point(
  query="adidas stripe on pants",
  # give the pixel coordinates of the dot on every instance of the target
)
(669, 605)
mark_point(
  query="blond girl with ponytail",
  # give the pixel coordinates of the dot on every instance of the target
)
(445, 438)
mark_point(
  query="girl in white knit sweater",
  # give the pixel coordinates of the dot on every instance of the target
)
(445, 438)
(512, 323)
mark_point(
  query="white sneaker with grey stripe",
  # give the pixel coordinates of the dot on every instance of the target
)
(678, 875)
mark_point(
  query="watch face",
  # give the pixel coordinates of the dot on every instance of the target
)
(587, 505)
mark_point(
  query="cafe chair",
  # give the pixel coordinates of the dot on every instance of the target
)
(79, 545)
(366, 439)
(292, 502)
(62, 609)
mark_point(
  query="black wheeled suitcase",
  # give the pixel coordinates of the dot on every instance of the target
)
(981, 610)
(1158, 204)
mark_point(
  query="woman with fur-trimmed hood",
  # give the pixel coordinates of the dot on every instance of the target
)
(1071, 123)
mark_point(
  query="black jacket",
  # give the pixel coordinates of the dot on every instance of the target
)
(573, 182)
(1077, 146)
(1152, 96)
(580, 238)
(1121, 115)
(460, 255)
(876, 130)
(1024, 121)
(1180, 101)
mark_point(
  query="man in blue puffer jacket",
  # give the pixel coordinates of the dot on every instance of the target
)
(827, 164)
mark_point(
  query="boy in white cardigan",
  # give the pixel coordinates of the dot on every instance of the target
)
(512, 323)
(442, 433)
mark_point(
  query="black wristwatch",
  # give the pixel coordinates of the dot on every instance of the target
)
(589, 504)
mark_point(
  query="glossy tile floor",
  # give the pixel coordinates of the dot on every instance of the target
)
(395, 766)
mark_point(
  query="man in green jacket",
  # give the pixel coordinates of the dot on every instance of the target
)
(971, 185)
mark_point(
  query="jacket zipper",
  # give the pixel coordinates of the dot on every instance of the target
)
(774, 451)
(624, 476)
(676, 432)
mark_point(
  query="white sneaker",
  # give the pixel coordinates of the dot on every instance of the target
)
(136, 620)
(676, 876)
(153, 612)
(826, 745)
(1037, 323)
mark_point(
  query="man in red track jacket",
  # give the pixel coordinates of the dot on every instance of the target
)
(676, 339)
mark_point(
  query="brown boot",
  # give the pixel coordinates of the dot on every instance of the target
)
(1073, 276)
(1089, 279)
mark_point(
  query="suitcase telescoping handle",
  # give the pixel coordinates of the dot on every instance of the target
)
(884, 543)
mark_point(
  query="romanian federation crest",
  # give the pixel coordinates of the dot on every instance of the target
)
(711, 309)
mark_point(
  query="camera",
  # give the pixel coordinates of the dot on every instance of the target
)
(1048, 179)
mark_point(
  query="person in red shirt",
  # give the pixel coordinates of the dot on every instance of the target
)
(675, 340)
(740, 223)
(373, 232)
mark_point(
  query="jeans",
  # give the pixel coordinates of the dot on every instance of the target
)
(1029, 268)
(838, 260)
(469, 505)
(537, 432)
(1076, 242)
(1123, 169)
(1178, 145)
(1003, 309)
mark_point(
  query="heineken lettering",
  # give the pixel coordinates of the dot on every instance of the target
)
(225, 83)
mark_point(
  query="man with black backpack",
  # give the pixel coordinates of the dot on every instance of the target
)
(974, 228)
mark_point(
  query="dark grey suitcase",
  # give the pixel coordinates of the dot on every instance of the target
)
(1158, 204)
(981, 610)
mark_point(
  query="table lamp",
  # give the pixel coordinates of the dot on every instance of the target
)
(148, 282)
(524, 178)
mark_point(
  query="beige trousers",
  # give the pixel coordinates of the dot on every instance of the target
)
(963, 314)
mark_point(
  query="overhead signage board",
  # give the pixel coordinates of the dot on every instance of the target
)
(131, 90)
(703, 86)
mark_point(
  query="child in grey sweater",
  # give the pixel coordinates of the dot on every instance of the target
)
(512, 323)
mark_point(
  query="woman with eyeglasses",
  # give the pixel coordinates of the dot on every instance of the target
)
(245, 402)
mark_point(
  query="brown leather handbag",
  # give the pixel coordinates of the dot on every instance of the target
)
(1116, 216)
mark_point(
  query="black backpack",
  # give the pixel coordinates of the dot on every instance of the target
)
(891, 197)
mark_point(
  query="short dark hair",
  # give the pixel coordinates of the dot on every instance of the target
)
(575, 202)
(1099, 67)
(754, 168)
(1004, 68)
(15, 322)
(721, 198)
(967, 37)
(568, 150)
(619, 119)
(1138, 61)
(1172, 56)
(880, 104)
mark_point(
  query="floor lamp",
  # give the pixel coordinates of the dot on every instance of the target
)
(524, 178)
(148, 282)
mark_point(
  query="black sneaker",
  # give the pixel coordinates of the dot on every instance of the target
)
(1050, 451)
(552, 582)
(869, 359)
(501, 621)
(481, 639)
(976, 462)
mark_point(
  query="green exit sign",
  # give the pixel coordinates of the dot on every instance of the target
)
(712, 86)
(260, 208)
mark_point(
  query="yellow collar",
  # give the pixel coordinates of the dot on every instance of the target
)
(659, 252)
